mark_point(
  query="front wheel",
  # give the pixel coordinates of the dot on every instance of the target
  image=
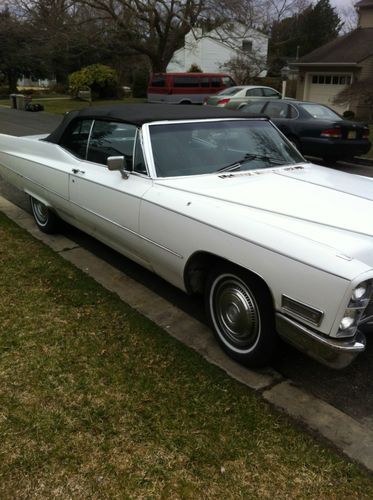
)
(46, 220)
(240, 310)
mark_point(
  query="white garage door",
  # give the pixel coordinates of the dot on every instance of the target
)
(322, 88)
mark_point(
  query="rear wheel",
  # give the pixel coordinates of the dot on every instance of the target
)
(240, 311)
(46, 220)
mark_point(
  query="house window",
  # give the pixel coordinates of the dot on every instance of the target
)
(331, 79)
(247, 45)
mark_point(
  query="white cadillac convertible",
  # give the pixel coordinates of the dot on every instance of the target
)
(217, 203)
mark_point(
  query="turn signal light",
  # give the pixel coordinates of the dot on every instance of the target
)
(333, 133)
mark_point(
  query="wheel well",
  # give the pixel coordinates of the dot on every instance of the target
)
(199, 266)
(185, 101)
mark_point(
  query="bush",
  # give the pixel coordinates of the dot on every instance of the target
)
(4, 91)
(195, 69)
(101, 80)
(349, 115)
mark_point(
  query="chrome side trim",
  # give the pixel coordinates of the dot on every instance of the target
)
(328, 351)
(128, 230)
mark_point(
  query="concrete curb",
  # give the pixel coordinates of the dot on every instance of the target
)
(343, 431)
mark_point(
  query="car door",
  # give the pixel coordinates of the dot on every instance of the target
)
(107, 203)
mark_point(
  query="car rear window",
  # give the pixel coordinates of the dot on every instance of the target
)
(319, 111)
(230, 91)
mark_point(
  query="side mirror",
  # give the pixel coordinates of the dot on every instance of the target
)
(115, 163)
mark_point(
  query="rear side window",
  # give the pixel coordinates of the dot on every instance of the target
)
(75, 138)
(270, 93)
(205, 82)
(254, 107)
(186, 81)
(158, 81)
(111, 139)
(277, 110)
(254, 93)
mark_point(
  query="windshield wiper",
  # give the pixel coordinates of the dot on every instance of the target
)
(249, 157)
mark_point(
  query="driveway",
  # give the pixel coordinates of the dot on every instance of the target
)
(349, 390)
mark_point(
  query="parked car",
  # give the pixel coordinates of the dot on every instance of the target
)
(218, 203)
(186, 88)
(315, 129)
(237, 97)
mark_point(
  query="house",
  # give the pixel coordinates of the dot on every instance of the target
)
(326, 71)
(213, 50)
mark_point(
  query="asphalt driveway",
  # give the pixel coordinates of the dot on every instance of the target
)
(350, 390)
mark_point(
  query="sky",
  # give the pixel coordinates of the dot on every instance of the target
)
(342, 3)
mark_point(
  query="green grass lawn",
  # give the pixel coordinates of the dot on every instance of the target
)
(98, 402)
(60, 106)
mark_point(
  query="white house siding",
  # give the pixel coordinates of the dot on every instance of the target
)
(213, 50)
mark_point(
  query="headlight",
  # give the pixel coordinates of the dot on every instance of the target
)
(360, 291)
(348, 319)
(359, 300)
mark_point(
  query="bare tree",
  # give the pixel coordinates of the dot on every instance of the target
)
(155, 28)
(358, 93)
(349, 16)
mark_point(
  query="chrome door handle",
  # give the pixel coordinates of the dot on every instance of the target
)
(77, 171)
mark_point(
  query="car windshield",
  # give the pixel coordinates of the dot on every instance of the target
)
(196, 148)
(320, 112)
(230, 91)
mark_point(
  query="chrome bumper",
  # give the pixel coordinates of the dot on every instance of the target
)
(335, 353)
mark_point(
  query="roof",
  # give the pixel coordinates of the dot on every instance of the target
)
(351, 48)
(364, 3)
(138, 114)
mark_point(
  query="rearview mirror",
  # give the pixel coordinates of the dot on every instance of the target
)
(115, 163)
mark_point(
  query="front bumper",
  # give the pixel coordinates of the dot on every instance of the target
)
(335, 353)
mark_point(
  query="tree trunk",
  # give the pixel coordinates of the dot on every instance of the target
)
(12, 81)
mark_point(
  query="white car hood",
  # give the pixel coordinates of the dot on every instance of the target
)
(321, 204)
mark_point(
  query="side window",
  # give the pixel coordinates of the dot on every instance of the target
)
(254, 107)
(158, 81)
(139, 160)
(205, 81)
(186, 81)
(75, 137)
(277, 110)
(111, 139)
(271, 93)
(254, 93)
(215, 81)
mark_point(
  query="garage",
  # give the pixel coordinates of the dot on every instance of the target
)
(323, 87)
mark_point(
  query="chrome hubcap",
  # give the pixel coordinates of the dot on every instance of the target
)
(235, 312)
(40, 212)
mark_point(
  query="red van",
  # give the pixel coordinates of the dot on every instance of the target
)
(186, 88)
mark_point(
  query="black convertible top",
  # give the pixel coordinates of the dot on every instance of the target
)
(138, 114)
